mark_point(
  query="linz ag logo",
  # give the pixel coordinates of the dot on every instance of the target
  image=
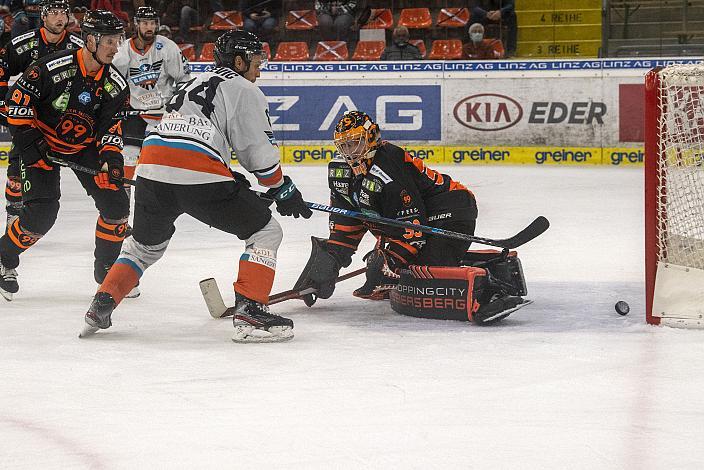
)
(488, 112)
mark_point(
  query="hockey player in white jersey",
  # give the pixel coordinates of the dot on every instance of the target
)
(184, 168)
(153, 66)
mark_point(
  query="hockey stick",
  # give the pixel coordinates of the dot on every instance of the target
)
(535, 228)
(218, 309)
(83, 169)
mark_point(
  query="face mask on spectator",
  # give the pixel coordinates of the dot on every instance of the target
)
(476, 37)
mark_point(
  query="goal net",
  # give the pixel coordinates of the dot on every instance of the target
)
(674, 191)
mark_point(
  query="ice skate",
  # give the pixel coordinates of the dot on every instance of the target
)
(8, 282)
(134, 293)
(255, 324)
(99, 313)
(381, 280)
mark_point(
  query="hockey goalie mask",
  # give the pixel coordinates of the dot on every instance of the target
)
(356, 138)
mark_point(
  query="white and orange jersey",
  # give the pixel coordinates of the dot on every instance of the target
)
(207, 116)
(152, 74)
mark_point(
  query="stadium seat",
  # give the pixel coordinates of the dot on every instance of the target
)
(188, 51)
(415, 18)
(369, 50)
(290, 51)
(446, 49)
(420, 44)
(381, 18)
(226, 20)
(206, 54)
(267, 49)
(9, 20)
(453, 18)
(301, 20)
(331, 50)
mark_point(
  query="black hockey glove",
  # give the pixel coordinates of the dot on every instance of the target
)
(289, 201)
(34, 148)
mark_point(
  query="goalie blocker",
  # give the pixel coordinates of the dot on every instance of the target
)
(485, 291)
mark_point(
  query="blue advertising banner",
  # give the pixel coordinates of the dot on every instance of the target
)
(409, 113)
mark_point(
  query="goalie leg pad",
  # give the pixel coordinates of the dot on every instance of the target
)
(505, 269)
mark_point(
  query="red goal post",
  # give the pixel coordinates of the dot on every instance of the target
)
(674, 195)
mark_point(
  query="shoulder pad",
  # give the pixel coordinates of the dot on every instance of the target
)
(60, 62)
(379, 173)
(23, 37)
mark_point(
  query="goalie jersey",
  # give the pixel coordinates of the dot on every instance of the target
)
(207, 116)
(152, 74)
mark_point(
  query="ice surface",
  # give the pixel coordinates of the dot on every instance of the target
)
(563, 383)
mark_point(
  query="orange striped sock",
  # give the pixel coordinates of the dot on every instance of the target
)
(120, 280)
(254, 281)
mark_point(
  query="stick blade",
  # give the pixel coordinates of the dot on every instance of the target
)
(533, 230)
(213, 298)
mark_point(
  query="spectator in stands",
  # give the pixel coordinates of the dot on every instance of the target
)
(499, 12)
(335, 18)
(27, 17)
(401, 49)
(258, 18)
(164, 31)
(114, 6)
(479, 48)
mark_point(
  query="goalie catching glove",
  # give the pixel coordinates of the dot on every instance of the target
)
(323, 267)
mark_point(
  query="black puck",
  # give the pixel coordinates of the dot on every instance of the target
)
(622, 307)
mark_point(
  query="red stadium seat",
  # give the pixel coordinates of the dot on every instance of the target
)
(453, 18)
(446, 49)
(206, 54)
(415, 18)
(381, 18)
(291, 51)
(226, 20)
(188, 51)
(301, 20)
(369, 50)
(420, 44)
(267, 50)
(331, 50)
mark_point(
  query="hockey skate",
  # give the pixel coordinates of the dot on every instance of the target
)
(381, 280)
(99, 313)
(8, 282)
(255, 324)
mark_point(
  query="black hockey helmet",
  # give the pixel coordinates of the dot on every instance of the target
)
(48, 5)
(237, 43)
(101, 22)
(146, 13)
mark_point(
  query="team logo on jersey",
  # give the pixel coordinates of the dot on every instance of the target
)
(61, 102)
(33, 73)
(159, 46)
(27, 46)
(406, 198)
(84, 98)
(64, 75)
(34, 54)
(146, 75)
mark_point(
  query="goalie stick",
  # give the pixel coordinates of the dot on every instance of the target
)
(82, 169)
(534, 229)
(218, 309)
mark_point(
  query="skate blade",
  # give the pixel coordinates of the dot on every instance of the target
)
(6, 295)
(134, 293)
(88, 330)
(504, 313)
(250, 334)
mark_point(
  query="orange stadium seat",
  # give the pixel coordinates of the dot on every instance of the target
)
(206, 54)
(301, 20)
(331, 50)
(453, 18)
(369, 50)
(381, 18)
(415, 18)
(420, 44)
(290, 51)
(226, 20)
(188, 51)
(267, 49)
(446, 49)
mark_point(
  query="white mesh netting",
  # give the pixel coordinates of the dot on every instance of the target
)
(680, 166)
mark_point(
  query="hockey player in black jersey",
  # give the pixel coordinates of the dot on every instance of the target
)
(15, 57)
(380, 179)
(64, 105)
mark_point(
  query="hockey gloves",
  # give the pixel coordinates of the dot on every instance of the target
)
(113, 179)
(289, 201)
(33, 148)
(322, 269)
